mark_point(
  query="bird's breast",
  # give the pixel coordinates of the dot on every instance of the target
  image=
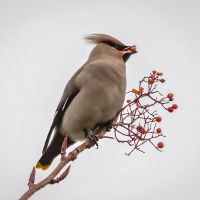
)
(101, 96)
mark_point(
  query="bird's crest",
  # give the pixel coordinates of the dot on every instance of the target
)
(107, 39)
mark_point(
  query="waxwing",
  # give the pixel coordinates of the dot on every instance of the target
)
(93, 96)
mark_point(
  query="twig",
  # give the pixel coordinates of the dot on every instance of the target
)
(51, 179)
(136, 126)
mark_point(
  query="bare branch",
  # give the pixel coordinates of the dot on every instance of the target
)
(64, 161)
(137, 125)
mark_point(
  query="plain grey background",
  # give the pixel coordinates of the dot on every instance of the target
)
(41, 46)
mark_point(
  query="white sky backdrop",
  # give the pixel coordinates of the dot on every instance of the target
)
(41, 46)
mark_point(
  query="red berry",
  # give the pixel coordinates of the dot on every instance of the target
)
(158, 119)
(141, 129)
(128, 101)
(158, 130)
(133, 49)
(170, 95)
(160, 145)
(174, 106)
(170, 109)
(138, 128)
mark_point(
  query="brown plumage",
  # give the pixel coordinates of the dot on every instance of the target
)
(92, 97)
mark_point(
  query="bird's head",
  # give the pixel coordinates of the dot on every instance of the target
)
(120, 49)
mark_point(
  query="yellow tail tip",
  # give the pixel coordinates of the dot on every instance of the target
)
(42, 167)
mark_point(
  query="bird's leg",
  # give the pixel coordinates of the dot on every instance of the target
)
(108, 126)
(89, 135)
(64, 146)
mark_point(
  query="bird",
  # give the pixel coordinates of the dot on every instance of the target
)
(92, 97)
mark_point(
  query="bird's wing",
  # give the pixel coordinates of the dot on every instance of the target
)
(70, 91)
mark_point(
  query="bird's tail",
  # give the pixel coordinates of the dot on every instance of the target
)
(53, 150)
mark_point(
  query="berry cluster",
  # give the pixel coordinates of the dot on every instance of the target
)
(138, 120)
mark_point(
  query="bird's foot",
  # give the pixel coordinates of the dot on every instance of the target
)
(108, 126)
(93, 138)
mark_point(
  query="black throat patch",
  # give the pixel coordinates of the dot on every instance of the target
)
(126, 56)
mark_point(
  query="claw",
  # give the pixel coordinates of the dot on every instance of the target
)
(89, 135)
(108, 126)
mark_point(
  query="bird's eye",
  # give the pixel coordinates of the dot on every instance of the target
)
(116, 47)
(119, 48)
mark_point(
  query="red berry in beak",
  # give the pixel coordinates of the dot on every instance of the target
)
(133, 49)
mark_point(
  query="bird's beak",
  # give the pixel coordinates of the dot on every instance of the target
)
(133, 49)
(130, 50)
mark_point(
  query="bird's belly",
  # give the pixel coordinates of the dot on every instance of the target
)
(89, 109)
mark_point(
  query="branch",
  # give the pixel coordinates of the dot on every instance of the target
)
(51, 179)
(137, 125)
(138, 119)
